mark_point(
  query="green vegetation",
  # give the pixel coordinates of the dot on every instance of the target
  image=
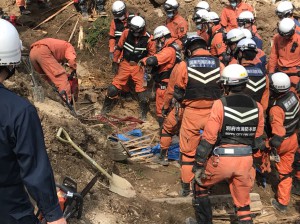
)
(98, 30)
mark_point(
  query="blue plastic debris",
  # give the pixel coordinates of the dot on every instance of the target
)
(135, 132)
(122, 137)
(173, 152)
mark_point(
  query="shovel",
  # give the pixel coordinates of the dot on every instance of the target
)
(117, 184)
(37, 90)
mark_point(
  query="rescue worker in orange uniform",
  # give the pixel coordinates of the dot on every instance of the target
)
(258, 84)
(117, 25)
(285, 9)
(231, 39)
(231, 12)
(21, 4)
(177, 25)
(172, 114)
(46, 56)
(246, 21)
(196, 89)
(285, 52)
(234, 128)
(135, 44)
(162, 64)
(198, 19)
(284, 118)
(215, 32)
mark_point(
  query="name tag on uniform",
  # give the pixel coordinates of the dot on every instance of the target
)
(229, 151)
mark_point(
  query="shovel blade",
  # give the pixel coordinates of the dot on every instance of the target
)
(121, 186)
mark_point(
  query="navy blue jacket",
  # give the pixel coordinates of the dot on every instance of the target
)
(24, 163)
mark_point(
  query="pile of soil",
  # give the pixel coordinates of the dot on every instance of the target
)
(100, 205)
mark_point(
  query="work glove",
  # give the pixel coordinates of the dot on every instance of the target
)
(165, 112)
(111, 55)
(115, 68)
(199, 171)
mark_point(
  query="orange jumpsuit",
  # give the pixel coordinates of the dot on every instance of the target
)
(20, 3)
(286, 150)
(229, 15)
(195, 115)
(128, 67)
(203, 34)
(178, 26)
(283, 60)
(166, 59)
(217, 46)
(115, 32)
(172, 122)
(237, 170)
(46, 56)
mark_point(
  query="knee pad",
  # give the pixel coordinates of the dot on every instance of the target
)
(112, 91)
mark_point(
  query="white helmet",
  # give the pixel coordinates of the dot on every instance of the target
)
(171, 5)
(137, 24)
(234, 36)
(10, 44)
(280, 82)
(160, 32)
(202, 5)
(118, 8)
(234, 75)
(284, 9)
(247, 33)
(246, 44)
(286, 27)
(199, 15)
(245, 17)
(211, 17)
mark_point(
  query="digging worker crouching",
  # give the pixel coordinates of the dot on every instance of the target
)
(134, 44)
(161, 64)
(196, 88)
(234, 127)
(23, 157)
(46, 56)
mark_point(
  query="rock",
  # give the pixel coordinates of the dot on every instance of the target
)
(92, 97)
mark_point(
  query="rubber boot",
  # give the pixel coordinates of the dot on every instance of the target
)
(185, 189)
(162, 158)
(144, 106)
(296, 187)
(203, 211)
(108, 105)
(280, 207)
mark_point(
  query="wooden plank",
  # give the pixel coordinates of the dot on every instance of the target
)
(55, 14)
(141, 157)
(139, 148)
(135, 139)
(215, 199)
(136, 143)
(140, 153)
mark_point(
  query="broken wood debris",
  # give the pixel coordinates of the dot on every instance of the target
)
(55, 14)
(74, 29)
(66, 21)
